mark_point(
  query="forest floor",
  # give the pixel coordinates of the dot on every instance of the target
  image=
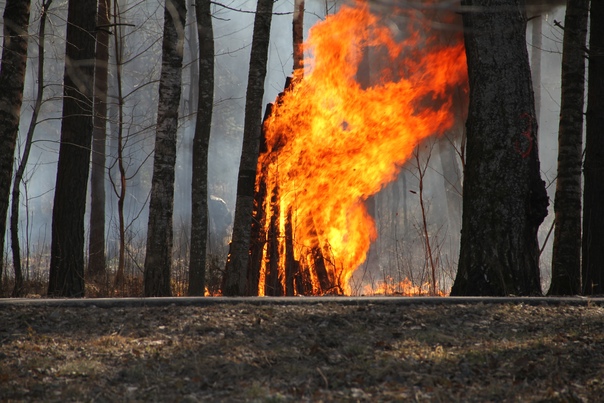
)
(242, 352)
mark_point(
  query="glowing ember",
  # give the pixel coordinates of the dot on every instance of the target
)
(332, 144)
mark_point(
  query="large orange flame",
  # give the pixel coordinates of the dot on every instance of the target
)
(332, 143)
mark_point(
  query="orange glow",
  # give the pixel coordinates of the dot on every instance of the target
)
(332, 143)
(403, 288)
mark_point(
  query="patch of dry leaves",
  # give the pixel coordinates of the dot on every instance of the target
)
(313, 353)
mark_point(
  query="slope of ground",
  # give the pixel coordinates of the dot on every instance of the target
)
(303, 352)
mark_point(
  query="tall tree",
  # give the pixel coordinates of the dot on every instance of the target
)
(12, 78)
(593, 171)
(566, 259)
(158, 257)
(504, 198)
(67, 249)
(16, 192)
(536, 49)
(298, 37)
(234, 282)
(96, 247)
(201, 144)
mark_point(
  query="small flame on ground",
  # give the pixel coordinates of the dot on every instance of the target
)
(405, 288)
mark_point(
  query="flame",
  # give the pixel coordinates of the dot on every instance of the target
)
(405, 288)
(331, 143)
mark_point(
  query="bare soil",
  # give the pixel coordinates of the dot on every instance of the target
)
(510, 352)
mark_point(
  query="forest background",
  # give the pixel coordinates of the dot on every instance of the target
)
(399, 254)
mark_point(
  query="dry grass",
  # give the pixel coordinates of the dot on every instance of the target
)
(325, 352)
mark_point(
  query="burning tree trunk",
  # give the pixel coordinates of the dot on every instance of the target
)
(272, 284)
(504, 199)
(292, 266)
(258, 231)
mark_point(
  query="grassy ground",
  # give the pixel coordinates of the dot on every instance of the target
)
(313, 353)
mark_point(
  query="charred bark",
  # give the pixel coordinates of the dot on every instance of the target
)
(257, 240)
(258, 236)
(321, 270)
(291, 266)
(504, 198)
(298, 38)
(273, 285)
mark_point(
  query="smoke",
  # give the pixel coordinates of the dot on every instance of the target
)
(397, 205)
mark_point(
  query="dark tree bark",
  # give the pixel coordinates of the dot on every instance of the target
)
(273, 285)
(593, 171)
(298, 38)
(158, 257)
(16, 192)
(566, 259)
(234, 282)
(201, 143)
(192, 41)
(67, 250)
(536, 49)
(12, 77)
(96, 247)
(504, 199)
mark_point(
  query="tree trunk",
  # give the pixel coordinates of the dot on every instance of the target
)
(96, 247)
(298, 39)
(536, 49)
(566, 259)
(16, 192)
(593, 171)
(193, 38)
(272, 284)
(158, 257)
(201, 142)
(12, 77)
(66, 277)
(236, 268)
(504, 198)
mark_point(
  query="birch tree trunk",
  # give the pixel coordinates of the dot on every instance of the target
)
(234, 282)
(566, 259)
(504, 198)
(593, 171)
(158, 257)
(201, 144)
(67, 250)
